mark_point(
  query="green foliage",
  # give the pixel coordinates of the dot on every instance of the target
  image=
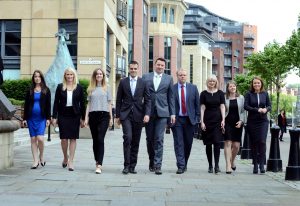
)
(84, 83)
(293, 50)
(286, 103)
(16, 89)
(16, 102)
(243, 82)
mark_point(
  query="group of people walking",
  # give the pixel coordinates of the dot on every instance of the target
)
(155, 102)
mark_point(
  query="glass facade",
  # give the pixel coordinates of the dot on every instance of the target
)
(167, 56)
(71, 27)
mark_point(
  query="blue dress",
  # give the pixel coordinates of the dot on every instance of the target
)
(36, 123)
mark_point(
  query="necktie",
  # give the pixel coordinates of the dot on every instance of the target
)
(183, 107)
(132, 86)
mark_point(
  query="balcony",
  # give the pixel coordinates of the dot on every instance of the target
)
(249, 36)
(228, 52)
(227, 74)
(246, 54)
(121, 13)
(227, 64)
(121, 66)
(215, 61)
(249, 46)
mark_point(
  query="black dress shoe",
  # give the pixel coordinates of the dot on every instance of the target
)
(71, 169)
(34, 167)
(158, 171)
(210, 170)
(255, 169)
(132, 171)
(125, 171)
(262, 169)
(180, 171)
(217, 170)
(228, 172)
(151, 169)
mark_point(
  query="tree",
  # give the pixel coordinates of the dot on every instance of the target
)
(293, 50)
(272, 65)
(243, 82)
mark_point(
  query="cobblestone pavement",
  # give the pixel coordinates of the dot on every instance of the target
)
(54, 185)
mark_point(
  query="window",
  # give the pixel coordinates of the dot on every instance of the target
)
(167, 45)
(164, 15)
(172, 16)
(151, 53)
(10, 47)
(71, 27)
(191, 67)
(108, 68)
(153, 14)
(179, 53)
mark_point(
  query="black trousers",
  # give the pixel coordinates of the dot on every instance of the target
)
(99, 122)
(131, 141)
(259, 152)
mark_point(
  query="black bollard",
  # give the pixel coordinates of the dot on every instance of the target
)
(274, 162)
(49, 133)
(293, 169)
(246, 150)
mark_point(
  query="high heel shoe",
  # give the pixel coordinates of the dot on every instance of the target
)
(217, 170)
(35, 167)
(210, 170)
(262, 169)
(64, 165)
(43, 163)
(233, 168)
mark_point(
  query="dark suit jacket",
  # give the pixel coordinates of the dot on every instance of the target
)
(192, 102)
(162, 100)
(45, 105)
(251, 105)
(60, 101)
(139, 104)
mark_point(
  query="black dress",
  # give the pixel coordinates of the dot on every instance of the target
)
(68, 117)
(212, 116)
(231, 132)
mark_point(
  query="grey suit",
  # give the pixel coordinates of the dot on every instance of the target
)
(162, 106)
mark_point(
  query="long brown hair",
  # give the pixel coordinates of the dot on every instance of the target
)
(227, 89)
(93, 82)
(44, 87)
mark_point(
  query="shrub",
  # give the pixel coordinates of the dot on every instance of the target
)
(16, 89)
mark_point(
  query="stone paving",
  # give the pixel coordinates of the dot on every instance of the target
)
(54, 185)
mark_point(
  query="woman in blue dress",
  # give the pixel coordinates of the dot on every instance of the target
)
(37, 115)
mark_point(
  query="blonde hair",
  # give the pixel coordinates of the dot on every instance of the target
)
(93, 82)
(213, 77)
(75, 79)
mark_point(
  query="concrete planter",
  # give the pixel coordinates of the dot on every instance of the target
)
(7, 128)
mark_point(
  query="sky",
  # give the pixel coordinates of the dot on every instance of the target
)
(275, 19)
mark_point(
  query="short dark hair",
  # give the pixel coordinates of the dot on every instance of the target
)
(160, 59)
(133, 62)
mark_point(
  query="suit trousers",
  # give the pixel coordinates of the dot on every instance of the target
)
(183, 134)
(131, 141)
(155, 130)
(99, 122)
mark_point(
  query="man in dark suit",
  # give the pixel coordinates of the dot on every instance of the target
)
(162, 107)
(133, 108)
(187, 109)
